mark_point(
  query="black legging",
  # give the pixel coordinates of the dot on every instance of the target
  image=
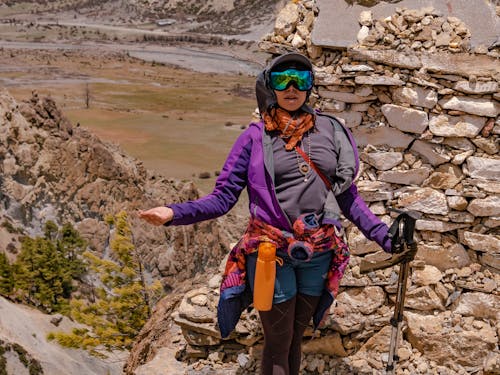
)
(284, 326)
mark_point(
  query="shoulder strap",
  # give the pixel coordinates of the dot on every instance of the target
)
(313, 166)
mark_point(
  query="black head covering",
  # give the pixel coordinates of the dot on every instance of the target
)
(265, 94)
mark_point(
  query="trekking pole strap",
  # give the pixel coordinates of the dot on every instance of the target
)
(403, 246)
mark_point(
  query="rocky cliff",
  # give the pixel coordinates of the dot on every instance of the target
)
(424, 111)
(52, 170)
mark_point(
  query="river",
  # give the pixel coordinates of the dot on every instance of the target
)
(205, 61)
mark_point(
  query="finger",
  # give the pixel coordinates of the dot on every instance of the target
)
(147, 217)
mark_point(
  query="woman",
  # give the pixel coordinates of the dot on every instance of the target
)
(298, 167)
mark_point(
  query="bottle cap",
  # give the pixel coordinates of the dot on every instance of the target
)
(267, 251)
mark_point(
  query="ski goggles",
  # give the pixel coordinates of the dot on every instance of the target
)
(303, 79)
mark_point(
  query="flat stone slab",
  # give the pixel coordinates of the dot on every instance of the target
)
(337, 23)
(440, 62)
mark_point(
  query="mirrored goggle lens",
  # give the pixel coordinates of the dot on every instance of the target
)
(303, 79)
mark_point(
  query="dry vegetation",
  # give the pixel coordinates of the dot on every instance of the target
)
(174, 120)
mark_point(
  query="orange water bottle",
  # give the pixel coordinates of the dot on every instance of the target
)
(265, 275)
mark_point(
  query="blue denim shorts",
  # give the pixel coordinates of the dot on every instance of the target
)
(295, 276)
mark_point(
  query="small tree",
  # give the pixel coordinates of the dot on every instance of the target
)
(70, 245)
(46, 267)
(87, 96)
(6, 276)
(123, 300)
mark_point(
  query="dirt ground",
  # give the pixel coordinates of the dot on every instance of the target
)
(176, 121)
(117, 73)
(174, 99)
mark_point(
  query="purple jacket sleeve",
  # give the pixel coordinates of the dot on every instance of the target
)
(231, 181)
(355, 210)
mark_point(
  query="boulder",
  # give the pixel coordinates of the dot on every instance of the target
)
(447, 343)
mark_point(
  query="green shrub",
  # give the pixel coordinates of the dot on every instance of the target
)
(6, 276)
(123, 302)
(47, 266)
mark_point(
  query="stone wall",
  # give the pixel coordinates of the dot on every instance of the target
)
(425, 117)
(424, 112)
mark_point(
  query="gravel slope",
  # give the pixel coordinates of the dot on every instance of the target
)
(29, 327)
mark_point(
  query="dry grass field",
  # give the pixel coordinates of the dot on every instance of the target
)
(178, 122)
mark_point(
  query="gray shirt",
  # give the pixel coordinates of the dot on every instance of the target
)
(303, 194)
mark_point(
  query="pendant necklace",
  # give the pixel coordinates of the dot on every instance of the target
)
(304, 166)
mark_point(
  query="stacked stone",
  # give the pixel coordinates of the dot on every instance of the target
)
(415, 30)
(292, 29)
(427, 128)
(450, 326)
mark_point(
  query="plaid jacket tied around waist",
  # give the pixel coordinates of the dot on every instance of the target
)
(307, 230)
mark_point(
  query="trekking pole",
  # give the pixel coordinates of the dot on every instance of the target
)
(404, 248)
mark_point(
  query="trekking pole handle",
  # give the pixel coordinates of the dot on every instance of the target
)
(409, 227)
(408, 220)
(403, 244)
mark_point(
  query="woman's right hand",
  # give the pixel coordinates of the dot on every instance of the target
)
(158, 215)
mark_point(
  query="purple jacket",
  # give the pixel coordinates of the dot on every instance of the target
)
(249, 164)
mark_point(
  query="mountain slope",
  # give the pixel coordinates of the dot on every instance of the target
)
(226, 17)
(28, 328)
(50, 170)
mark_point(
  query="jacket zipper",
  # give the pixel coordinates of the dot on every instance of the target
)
(268, 175)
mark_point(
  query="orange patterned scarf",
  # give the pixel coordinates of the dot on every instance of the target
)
(291, 127)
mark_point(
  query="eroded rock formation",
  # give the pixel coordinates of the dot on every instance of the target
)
(52, 170)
